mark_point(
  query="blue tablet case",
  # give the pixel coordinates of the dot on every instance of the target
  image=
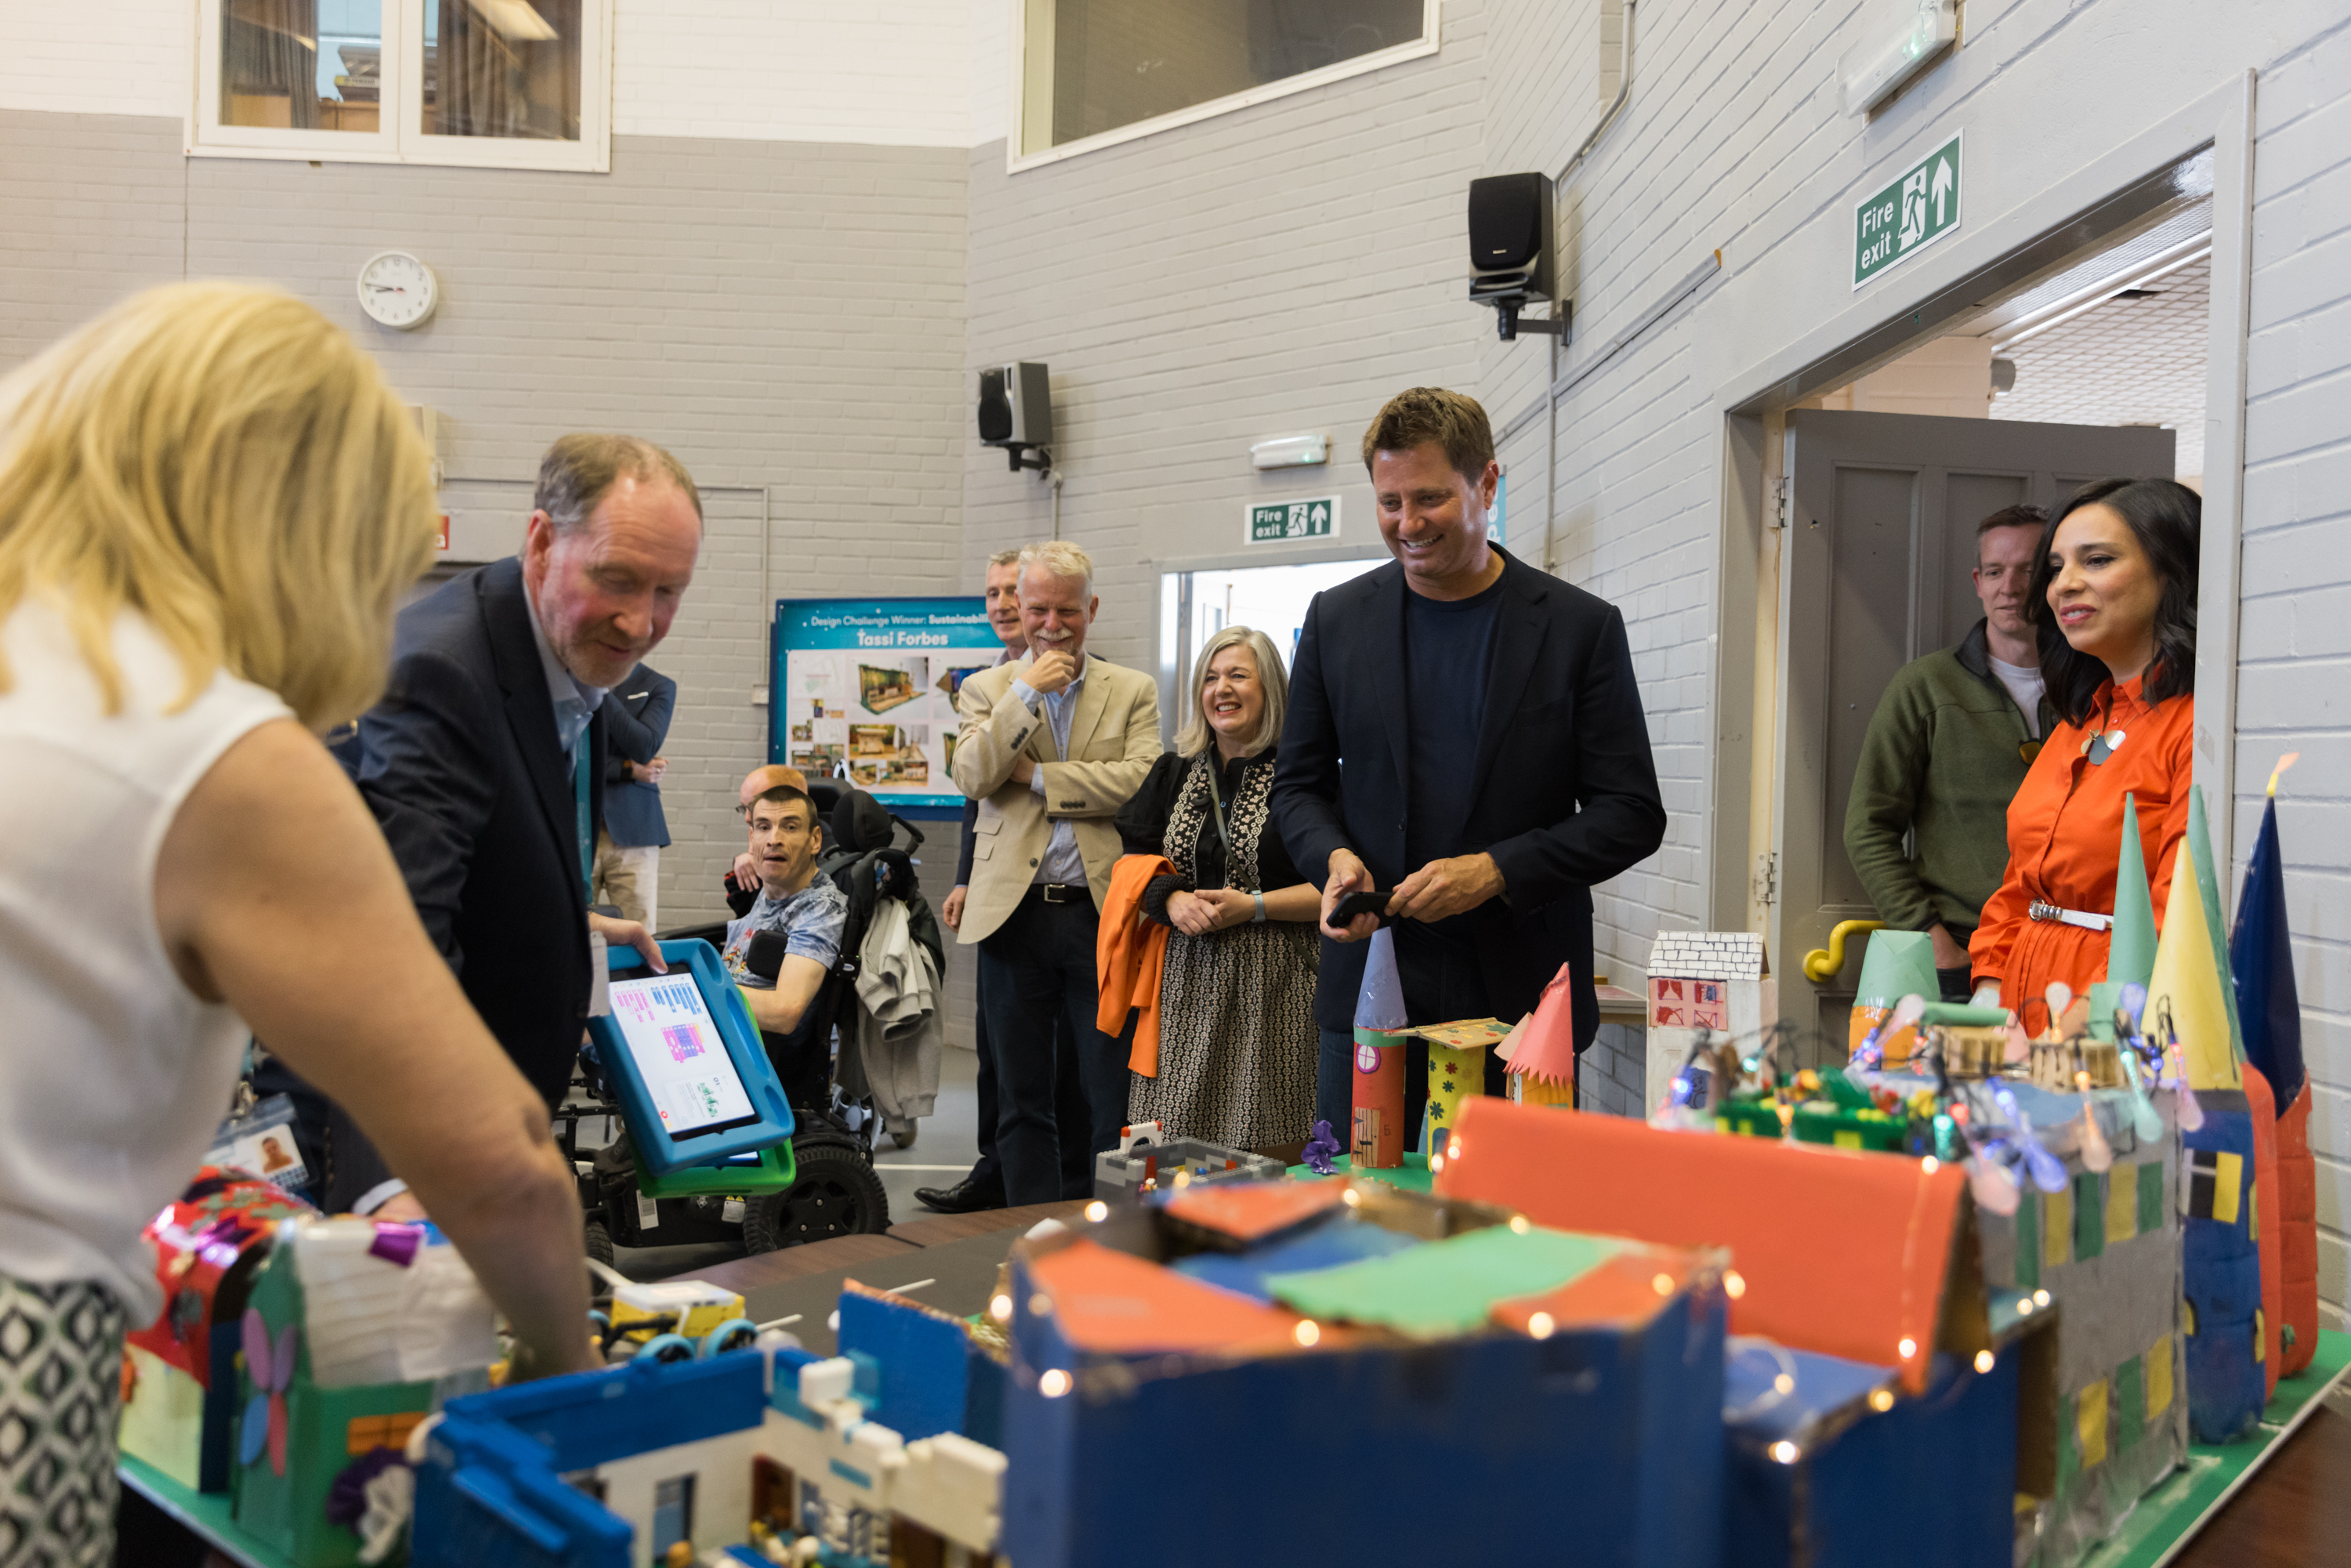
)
(662, 1155)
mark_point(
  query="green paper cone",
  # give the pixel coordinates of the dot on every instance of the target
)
(2130, 954)
(1897, 964)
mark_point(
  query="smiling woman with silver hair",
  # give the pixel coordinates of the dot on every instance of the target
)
(1237, 1037)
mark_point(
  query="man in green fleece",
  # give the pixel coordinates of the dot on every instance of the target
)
(1947, 748)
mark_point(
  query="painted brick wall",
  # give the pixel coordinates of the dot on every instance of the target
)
(787, 316)
(1733, 138)
(1280, 269)
(2294, 674)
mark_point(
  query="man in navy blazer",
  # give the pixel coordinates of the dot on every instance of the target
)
(635, 716)
(484, 762)
(1496, 757)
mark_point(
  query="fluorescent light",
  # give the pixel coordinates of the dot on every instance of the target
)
(1903, 35)
(1291, 452)
(515, 19)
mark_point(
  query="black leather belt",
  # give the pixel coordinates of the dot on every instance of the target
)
(1061, 892)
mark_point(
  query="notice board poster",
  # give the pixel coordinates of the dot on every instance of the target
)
(865, 689)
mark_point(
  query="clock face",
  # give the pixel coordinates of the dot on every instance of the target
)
(398, 291)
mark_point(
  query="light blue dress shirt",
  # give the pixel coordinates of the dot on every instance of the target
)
(574, 699)
(1062, 862)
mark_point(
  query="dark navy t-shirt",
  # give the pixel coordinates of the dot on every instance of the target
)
(1448, 647)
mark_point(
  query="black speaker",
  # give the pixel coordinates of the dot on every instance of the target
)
(1016, 406)
(1511, 235)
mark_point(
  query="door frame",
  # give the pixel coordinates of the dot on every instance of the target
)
(1240, 559)
(2101, 199)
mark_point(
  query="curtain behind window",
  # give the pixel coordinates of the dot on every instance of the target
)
(269, 48)
(491, 83)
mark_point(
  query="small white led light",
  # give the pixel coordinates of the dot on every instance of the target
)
(1787, 1453)
(1054, 1383)
(1983, 1360)
(1308, 1333)
(1097, 1211)
(1909, 1347)
(1540, 1325)
(1000, 1309)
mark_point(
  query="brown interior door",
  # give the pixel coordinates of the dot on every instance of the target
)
(1881, 539)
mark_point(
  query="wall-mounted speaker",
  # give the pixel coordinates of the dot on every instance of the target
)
(1016, 406)
(1511, 235)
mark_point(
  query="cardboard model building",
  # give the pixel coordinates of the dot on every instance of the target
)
(1714, 980)
(859, 1460)
(1885, 1398)
(1229, 1376)
(2231, 1266)
(179, 1413)
(354, 1332)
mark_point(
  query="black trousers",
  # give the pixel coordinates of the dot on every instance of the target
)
(1036, 976)
(1070, 1101)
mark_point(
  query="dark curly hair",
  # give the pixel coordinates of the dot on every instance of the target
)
(2166, 518)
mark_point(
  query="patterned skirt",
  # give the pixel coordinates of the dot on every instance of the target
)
(61, 1397)
(1237, 1038)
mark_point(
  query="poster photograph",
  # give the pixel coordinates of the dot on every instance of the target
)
(864, 691)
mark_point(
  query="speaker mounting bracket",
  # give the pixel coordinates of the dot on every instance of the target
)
(1016, 453)
(1509, 324)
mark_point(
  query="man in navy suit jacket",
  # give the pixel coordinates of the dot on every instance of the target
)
(635, 716)
(1497, 760)
(484, 762)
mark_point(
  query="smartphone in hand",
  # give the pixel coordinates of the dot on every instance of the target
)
(1367, 903)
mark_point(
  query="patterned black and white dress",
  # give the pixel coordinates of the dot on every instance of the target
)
(1237, 1035)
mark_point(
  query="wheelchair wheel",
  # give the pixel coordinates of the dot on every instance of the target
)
(837, 1194)
(599, 1242)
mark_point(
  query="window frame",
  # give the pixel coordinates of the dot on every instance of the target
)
(1015, 160)
(401, 137)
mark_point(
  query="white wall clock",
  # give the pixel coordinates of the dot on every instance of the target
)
(398, 291)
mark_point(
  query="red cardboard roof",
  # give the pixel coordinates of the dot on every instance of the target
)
(1835, 1250)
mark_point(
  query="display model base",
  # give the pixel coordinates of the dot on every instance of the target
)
(206, 1515)
(2167, 1518)
(1413, 1175)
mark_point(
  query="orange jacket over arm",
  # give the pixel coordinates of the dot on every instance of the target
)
(1130, 951)
(2064, 843)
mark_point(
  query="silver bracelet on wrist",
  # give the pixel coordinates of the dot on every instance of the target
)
(1258, 918)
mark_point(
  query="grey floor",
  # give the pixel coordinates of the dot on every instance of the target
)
(945, 1144)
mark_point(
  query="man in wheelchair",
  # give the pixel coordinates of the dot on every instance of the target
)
(802, 914)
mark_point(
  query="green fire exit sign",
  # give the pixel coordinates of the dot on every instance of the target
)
(1918, 208)
(1277, 520)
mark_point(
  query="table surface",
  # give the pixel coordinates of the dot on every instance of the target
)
(2277, 1502)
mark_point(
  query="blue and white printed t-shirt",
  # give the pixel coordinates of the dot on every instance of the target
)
(810, 920)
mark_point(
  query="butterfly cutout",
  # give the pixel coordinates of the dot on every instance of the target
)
(272, 1370)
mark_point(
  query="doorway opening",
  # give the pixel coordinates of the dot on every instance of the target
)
(1853, 491)
(1198, 602)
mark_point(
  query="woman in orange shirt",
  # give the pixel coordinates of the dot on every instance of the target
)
(2114, 597)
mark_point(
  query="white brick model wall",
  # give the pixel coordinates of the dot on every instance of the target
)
(2294, 675)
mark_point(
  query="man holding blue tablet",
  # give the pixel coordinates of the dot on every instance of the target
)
(808, 913)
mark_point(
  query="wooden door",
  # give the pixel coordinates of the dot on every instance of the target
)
(1880, 541)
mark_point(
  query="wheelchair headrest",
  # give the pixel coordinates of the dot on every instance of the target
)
(859, 823)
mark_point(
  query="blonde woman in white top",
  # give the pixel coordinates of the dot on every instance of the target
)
(210, 503)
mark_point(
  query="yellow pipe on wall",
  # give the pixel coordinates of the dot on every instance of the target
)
(1822, 964)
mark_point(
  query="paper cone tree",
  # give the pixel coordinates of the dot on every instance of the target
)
(2186, 988)
(1543, 1045)
(1897, 964)
(2269, 1009)
(2130, 952)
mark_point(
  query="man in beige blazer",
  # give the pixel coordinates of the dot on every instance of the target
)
(1050, 745)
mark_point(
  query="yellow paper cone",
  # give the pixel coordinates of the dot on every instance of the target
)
(2186, 986)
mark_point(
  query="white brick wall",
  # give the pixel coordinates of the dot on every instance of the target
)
(2294, 650)
(786, 317)
(916, 73)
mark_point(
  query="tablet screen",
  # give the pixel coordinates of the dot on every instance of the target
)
(680, 1055)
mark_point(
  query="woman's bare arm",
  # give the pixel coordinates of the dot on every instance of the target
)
(335, 972)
